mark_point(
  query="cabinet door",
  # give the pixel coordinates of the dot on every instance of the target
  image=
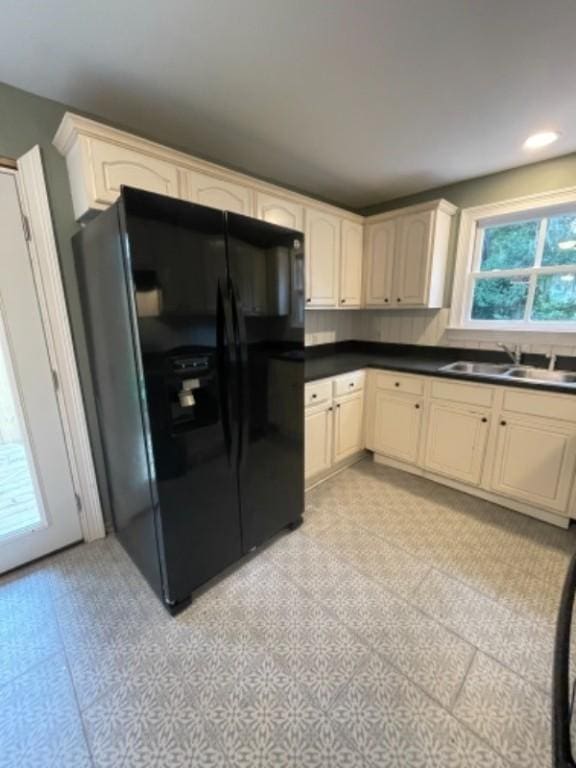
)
(351, 265)
(348, 426)
(412, 265)
(113, 166)
(218, 193)
(380, 243)
(397, 426)
(322, 248)
(456, 442)
(534, 461)
(276, 210)
(318, 441)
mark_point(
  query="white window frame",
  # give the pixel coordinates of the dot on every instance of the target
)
(468, 254)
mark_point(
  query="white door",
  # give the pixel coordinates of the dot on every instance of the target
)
(381, 245)
(456, 442)
(534, 461)
(351, 265)
(38, 511)
(411, 278)
(322, 247)
(318, 441)
(397, 426)
(348, 426)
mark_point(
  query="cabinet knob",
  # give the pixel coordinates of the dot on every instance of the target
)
(502, 423)
(337, 405)
(417, 406)
(314, 396)
(386, 301)
(398, 299)
(396, 383)
(308, 301)
(342, 301)
(351, 384)
(330, 409)
(484, 419)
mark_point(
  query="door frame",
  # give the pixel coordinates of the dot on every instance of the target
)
(45, 264)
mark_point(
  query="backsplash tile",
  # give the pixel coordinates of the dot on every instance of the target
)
(424, 327)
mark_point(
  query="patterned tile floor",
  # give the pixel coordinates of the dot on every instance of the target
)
(403, 625)
(18, 507)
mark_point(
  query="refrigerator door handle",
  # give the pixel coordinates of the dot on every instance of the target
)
(226, 366)
(240, 323)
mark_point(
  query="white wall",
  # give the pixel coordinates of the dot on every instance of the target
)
(422, 326)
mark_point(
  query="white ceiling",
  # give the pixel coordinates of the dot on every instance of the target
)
(356, 101)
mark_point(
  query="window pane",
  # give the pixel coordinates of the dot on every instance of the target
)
(555, 297)
(560, 243)
(511, 246)
(500, 298)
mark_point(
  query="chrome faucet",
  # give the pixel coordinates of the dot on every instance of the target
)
(551, 361)
(514, 353)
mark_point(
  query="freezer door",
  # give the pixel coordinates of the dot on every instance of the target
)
(267, 284)
(177, 258)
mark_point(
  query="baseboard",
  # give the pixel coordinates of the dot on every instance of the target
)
(517, 506)
(335, 470)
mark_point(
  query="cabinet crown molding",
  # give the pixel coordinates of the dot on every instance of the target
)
(439, 204)
(74, 128)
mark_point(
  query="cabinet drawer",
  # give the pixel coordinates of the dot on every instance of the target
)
(316, 392)
(398, 382)
(469, 394)
(350, 382)
(536, 404)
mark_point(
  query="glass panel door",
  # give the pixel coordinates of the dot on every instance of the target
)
(20, 504)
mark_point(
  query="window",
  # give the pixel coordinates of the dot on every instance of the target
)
(517, 269)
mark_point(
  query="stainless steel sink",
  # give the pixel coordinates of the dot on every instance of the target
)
(509, 371)
(542, 374)
(482, 369)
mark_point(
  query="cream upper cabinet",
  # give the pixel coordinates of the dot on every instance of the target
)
(397, 425)
(279, 211)
(406, 256)
(380, 254)
(535, 460)
(411, 268)
(112, 166)
(456, 441)
(350, 289)
(348, 426)
(318, 425)
(218, 193)
(322, 249)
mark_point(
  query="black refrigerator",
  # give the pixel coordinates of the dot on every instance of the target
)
(194, 320)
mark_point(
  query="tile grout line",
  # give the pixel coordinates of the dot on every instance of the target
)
(398, 671)
(460, 688)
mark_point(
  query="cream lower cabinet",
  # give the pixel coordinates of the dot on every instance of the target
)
(318, 425)
(456, 441)
(534, 460)
(348, 426)
(397, 425)
(513, 446)
(333, 423)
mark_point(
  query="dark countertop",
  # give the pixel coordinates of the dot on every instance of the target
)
(333, 359)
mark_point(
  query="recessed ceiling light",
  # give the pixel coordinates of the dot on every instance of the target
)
(541, 139)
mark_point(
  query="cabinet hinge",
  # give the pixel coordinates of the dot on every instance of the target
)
(78, 502)
(26, 228)
(55, 380)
